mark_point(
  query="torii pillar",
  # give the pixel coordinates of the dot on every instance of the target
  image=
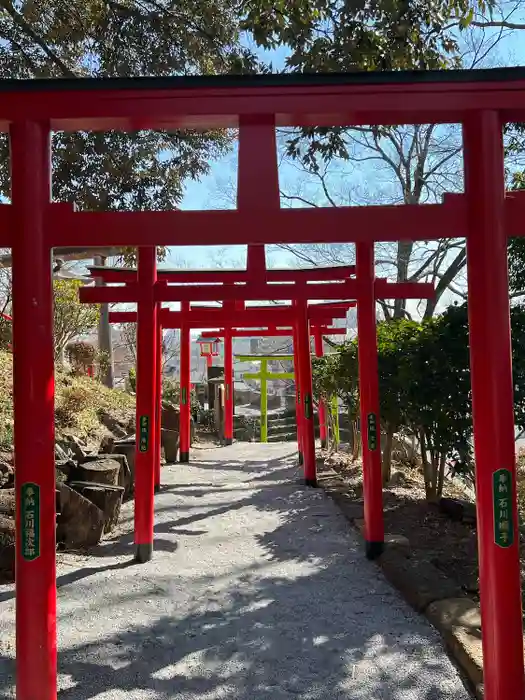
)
(307, 408)
(158, 401)
(185, 389)
(34, 424)
(493, 408)
(147, 353)
(298, 405)
(369, 401)
(319, 352)
(228, 386)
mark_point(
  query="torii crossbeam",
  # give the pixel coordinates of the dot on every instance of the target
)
(197, 317)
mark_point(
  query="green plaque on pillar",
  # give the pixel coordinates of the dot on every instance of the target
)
(144, 434)
(372, 431)
(308, 413)
(184, 396)
(503, 514)
(30, 521)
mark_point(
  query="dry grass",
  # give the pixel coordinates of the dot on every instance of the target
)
(407, 480)
(78, 404)
(520, 483)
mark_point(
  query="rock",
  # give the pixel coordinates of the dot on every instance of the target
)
(61, 454)
(113, 423)
(107, 444)
(76, 447)
(7, 546)
(80, 523)
(124, 477)
(7, 502)
(352, 510)
(170, 432)
(399, 541)
(7, 457)
(99, 471)
(458, 509)
(107, 498)
(63, 468)
(7, 475)
(397, 479)
(419, 581)
(459, 621)
(127, 449)
(170, 416)
(170, 445)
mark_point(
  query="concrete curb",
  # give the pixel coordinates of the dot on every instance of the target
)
(426, 588)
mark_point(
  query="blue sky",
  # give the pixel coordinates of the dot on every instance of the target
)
(210, 193)
(217, 189)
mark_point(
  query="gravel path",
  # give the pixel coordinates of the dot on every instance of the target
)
(257, 591)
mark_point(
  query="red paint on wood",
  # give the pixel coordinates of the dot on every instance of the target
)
(492, 407)
(33, 389)
(146, 403)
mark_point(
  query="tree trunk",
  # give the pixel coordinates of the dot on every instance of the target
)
(404, 251)
(427, 467)
(356, 440)
(104, 336)
(330, 437)
(387, 455)
(441, 476)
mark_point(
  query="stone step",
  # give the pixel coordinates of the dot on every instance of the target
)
(282, 423)
(287, 437)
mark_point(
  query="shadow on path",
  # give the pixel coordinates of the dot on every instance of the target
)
(307, 619)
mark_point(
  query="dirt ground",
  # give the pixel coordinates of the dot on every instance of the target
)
(449, 545)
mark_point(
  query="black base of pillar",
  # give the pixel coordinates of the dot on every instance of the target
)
(323, 444)
(184, 457)
(228, 441)
(300, 457)
(157, 488)
(374, 550)
(144, 552)
(311, 482)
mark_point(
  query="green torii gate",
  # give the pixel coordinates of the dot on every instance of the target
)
(263, 376)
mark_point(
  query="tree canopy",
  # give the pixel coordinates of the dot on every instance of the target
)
(71, 318)
(101, 38)
(424, 385)
(419, 161)
(337, 35)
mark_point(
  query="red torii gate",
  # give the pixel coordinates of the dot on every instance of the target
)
(199, 316)
(481, 101)
(365, 288)
(273, 332)
(129, 275)
(187, 318)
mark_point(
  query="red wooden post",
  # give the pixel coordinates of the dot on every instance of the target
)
(257, 179)
(34, 434)
(492, 408)
(369, 402)
(228, 387)
(298, 404)
(158, 403)
(319, 352)
(185, 372)
(209, 361)
(146, 404)
(307, 413)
